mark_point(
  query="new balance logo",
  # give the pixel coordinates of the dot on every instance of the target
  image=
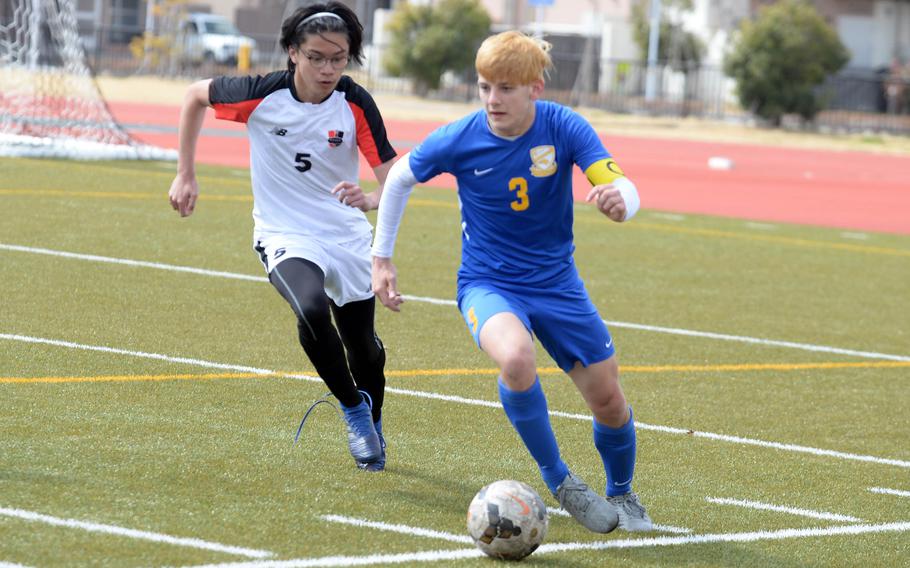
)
(278, 131)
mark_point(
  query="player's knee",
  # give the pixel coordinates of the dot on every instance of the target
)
(378, 358)
(370, 357)
(609, 406)
(517, 364)
(314, 322)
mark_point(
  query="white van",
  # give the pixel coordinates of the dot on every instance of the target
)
(209, 38)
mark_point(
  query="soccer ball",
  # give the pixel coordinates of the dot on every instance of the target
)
(507, 520)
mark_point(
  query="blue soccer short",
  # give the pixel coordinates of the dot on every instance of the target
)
(565, 321)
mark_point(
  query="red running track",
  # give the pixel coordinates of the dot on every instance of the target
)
(844, 189)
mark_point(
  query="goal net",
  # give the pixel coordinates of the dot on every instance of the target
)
(50, 105)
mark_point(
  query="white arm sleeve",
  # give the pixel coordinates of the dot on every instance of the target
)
(629, 194)
(395, 193)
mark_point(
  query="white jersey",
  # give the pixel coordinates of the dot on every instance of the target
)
(299, 151)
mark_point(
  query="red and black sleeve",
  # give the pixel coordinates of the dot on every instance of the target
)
(371, 135)
(235, 98)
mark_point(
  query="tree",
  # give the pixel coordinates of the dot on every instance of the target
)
(677, 47)
(429, 40)
(780, 59)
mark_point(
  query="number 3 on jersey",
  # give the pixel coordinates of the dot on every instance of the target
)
(520, 186)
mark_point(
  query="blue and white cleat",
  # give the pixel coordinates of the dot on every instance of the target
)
(362, 438)
(379, 464)
(365, 439)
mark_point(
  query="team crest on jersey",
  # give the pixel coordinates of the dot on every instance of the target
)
(543, 159)
(336, 137)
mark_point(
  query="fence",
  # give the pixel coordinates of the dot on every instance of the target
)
(854, 100)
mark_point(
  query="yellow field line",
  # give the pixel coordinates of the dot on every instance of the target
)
(204, 196)
(163, 196)
(770, 238)
(673, 368)
(487, 371)
(108, 378)
(145, 173)
(121, 194)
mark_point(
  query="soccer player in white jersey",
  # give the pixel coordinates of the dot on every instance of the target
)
(513, 162)
(306, 126)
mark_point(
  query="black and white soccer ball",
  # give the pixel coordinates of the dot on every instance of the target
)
(507, 520)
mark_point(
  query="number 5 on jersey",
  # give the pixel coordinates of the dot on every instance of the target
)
(303, 161)
(520, 186)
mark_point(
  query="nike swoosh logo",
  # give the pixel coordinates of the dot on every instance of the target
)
(482, 172)
(624, 483)
(608, 343)
(524, 506)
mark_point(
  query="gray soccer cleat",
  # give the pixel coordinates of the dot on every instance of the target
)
(586, 506)
(631, 513)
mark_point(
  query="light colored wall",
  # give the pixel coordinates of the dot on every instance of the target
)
(224, 8)
(563, 16)
(892, 32)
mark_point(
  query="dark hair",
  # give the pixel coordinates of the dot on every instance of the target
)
(294, 31)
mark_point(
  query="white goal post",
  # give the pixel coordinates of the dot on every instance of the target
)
(50, 105)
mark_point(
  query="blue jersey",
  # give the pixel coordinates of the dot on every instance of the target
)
(515, 195)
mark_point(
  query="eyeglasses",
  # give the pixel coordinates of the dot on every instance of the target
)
(319, 61)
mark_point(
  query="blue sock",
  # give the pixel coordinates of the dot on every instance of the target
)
(527, 411)
(617, 450)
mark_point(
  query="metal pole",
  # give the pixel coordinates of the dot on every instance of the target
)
(653, 42)
(150, 17)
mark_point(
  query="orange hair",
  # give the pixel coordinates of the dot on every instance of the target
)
(513, 57)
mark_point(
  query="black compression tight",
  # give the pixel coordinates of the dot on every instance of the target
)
(349, 358)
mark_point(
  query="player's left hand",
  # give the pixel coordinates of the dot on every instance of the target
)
(352, 195)
(385, 283)
(609, 201)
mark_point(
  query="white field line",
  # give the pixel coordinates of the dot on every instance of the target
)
(438, 301)
(344, 561)
(441, 555)
(128, 262)
(417, 531)
(886, 491)
(669, 216)
(660, 528)
(475, 402)
(401, 529)
(760, 226)
(728, 537)
(131, 533)
(759, 341)
(784, 509)
(11, 565)
(141, 354)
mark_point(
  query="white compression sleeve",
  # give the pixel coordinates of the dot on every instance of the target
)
(395, 193)
(629, 194)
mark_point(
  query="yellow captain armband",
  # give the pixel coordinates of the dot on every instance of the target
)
(603, 172)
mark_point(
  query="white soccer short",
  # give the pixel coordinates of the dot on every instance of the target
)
(346, 265)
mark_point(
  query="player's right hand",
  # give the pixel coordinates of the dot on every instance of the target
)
(183, 194)
(385, 283)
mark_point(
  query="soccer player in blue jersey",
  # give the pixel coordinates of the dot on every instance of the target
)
(513, 163)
